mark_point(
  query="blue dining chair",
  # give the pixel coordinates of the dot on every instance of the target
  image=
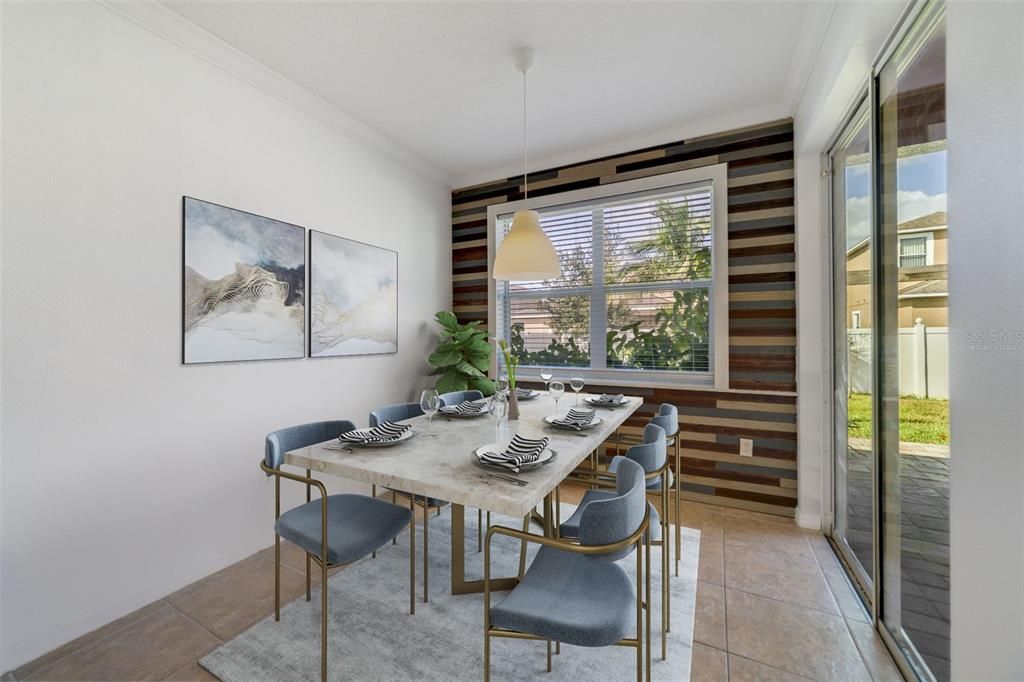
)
(574, 591)
(651, 455)
(334, 530)
(397, 413)
(668, 419)
(456, 397)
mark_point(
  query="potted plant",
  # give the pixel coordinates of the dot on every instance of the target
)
(463, 356)
(511, 363)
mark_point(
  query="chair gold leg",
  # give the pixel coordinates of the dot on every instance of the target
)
(277, 577)
(323, 621)
(308, 561)
(549, 655)
(426, 553)
(679, 520)
(639, 613)
(666, 611)
(522, 546)
(558, 511)
(412, 558)
(487, 655)
(647, 598)
(479, 530)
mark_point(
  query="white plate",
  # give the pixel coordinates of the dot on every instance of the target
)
(531, 396)
(596, 403)
(471, 415)
(551, 420)
(544, 458)
(401, 439)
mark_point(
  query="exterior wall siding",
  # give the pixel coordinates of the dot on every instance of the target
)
(762, 307)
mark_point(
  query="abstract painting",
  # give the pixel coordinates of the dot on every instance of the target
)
(354, 289)
(244, 285)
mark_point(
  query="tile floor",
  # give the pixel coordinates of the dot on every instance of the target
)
(772, 604)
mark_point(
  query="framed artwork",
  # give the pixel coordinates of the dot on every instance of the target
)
(243, 285)
(354, 297)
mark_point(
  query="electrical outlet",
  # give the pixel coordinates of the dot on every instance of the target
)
(746, 447)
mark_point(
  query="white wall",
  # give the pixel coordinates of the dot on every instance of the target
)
(125, 474)
(856, 33)
(985, 100)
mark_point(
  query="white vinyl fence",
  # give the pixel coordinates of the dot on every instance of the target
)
(923, 357)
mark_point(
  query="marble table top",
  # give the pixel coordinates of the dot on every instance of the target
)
(438, 460)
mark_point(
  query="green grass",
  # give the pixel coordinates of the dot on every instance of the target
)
(922, 420)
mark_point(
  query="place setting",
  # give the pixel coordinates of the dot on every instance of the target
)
(385, 434)
(575, 420)
(520, 454)
(607, 400)
(467, 409)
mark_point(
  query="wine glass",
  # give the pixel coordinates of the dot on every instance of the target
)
(556, 388)
(498, 407)
(430, 402)
(577, 386)
(546, 377)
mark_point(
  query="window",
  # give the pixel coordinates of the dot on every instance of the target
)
(916, 250)
(636, 295)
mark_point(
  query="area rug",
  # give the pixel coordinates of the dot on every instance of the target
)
(372, 636)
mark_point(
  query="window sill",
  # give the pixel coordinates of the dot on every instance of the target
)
(706, 383)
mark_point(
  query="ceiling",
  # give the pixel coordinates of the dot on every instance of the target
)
(437, 77)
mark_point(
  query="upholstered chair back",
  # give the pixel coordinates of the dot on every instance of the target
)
(303, 435)
(395, 413)
(667, 418)
(652, 452)
(604, 522)
(456, 397)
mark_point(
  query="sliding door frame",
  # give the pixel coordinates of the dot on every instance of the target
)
(855, 112)
(869, 93)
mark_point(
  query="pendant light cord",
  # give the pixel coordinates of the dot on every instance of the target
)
(526, 183)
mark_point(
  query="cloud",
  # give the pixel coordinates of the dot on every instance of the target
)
(910, 205)
(348, 273)
(914, 204)
(217, 237)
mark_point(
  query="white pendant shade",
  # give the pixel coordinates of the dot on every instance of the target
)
(526, 253)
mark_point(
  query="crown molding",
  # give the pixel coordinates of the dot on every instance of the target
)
(813, 31)
(683, 131)
(181, 32)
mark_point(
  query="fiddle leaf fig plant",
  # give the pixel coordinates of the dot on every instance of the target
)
(463, 356)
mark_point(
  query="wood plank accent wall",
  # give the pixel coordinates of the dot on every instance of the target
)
(762, 306)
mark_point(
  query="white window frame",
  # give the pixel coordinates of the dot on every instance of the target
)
(929, 245)
(717, 176)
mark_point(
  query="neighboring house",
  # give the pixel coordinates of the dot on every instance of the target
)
(923, 275)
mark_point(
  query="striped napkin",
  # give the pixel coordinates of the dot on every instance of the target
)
(519, 452)
(524, 393)
(608, 399)
(465, 407)
(576, 419)
(385, 432)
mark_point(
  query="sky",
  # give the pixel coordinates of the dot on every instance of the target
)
(921, 183)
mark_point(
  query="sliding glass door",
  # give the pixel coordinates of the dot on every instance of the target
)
(890, 313)
(913, 306)
(853, 254)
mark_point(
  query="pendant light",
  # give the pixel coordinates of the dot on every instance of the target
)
(526, 253)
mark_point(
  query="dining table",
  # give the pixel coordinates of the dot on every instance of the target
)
(438, 461)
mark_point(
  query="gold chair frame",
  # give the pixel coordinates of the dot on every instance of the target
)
(673, 441)
(606, 479)
(322, 563)
(640, 538)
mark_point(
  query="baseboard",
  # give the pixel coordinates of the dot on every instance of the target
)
(811, 521)
(19, 653)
